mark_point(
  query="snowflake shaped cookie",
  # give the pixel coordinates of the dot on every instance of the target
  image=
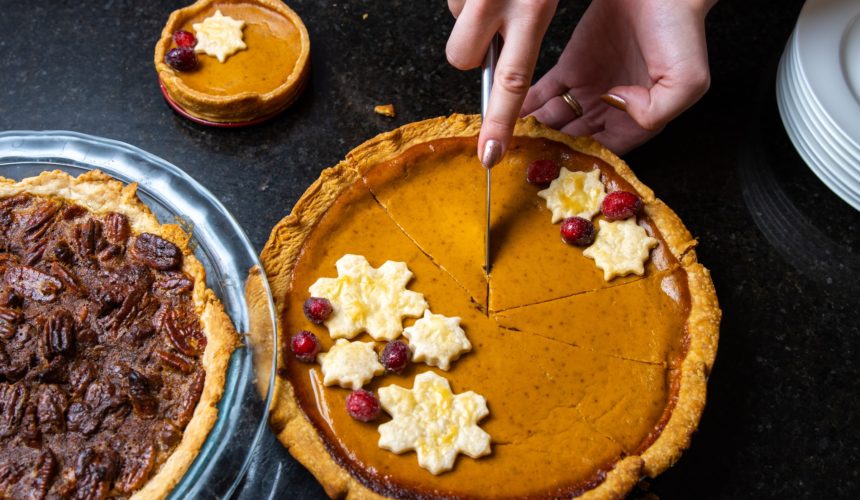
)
(219, 36)
(437, 340)
(368, 299)
(574, 194)
(350, 364)
(621, 248)
(434, 422)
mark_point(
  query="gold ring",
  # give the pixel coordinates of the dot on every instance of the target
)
(573, 103)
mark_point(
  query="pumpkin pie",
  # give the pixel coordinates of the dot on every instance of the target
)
(259, 70)
(113, 353)
(589, 384)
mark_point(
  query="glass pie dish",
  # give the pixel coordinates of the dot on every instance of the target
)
(233, 272)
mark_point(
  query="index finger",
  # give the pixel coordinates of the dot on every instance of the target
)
(511, 84)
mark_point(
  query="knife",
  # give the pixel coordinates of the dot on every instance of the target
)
(486, 87)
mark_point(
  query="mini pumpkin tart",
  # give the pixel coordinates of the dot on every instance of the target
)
(233, 61)
(568, 370)
(113, 353)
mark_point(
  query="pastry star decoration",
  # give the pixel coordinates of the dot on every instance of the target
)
(368, 299)
(437, 340)
(621, 248)
(434, 422)
(349, 364)
(219, 36)
(574, 194)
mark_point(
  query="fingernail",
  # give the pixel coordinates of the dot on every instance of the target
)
(492, 153)
(614, 101)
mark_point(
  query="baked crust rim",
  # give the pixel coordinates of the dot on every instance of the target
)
(244, 106)
(282, 250)
(100, 193)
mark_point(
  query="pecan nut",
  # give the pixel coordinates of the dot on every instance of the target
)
(174, 361)
(116, 228)
(156, 252)
(32, 283)
(175, 283)
(189, 400)
(46, 469)
(142, 400)
(13, 401)
(51, 410)
(58, 334)
(185, 335)
(87, 237)
(40, 220)
(9, 319)
(136, 469)
(94, 472)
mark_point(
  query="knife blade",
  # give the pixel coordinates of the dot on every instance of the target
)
(487, 73)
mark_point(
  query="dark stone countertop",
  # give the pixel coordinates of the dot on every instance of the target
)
(784, 396)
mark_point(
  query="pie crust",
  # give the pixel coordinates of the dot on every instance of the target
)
(242, 105)
(685, 405)
(100, 193)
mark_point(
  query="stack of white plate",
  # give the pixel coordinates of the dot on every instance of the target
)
(818, 93)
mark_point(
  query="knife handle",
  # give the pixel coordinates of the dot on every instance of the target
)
(488, 71)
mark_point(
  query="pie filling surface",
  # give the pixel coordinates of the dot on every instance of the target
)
(100, 351)
(273, 48)
(577, 372)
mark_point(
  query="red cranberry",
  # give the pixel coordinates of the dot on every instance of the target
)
(317, 309)
(363, 405)
(305, 346)
(542, 172)
(181, 58)
(577, 231)
(620, 205)
(183, 38)
(396, 356)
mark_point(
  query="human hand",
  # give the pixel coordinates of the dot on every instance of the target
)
(632, 65)
(522, 24)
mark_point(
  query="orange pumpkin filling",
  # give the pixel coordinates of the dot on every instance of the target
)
(577, 372)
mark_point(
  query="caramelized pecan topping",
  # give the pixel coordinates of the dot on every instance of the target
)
(100, 351)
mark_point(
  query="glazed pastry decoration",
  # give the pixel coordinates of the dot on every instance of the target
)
(368, 299)
(574, 194)
(434, 422)
(621, 248)
(437, 340)
(350, 364)
(219, 36)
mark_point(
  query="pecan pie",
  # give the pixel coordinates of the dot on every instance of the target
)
(113, 352)
(591, 381)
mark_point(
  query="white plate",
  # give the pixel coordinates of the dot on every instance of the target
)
(821, 158)
(801, 136)
(828, 49)
(813, 160)
(845, 163)
(804, 93)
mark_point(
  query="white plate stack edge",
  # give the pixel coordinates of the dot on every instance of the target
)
(818, 93)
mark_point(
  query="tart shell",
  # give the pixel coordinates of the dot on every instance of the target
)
(285, 243)
(236, 108)
(100, 193)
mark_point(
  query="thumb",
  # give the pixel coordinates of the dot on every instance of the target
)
(653, 108)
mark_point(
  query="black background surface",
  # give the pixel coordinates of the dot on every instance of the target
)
(782, 412)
